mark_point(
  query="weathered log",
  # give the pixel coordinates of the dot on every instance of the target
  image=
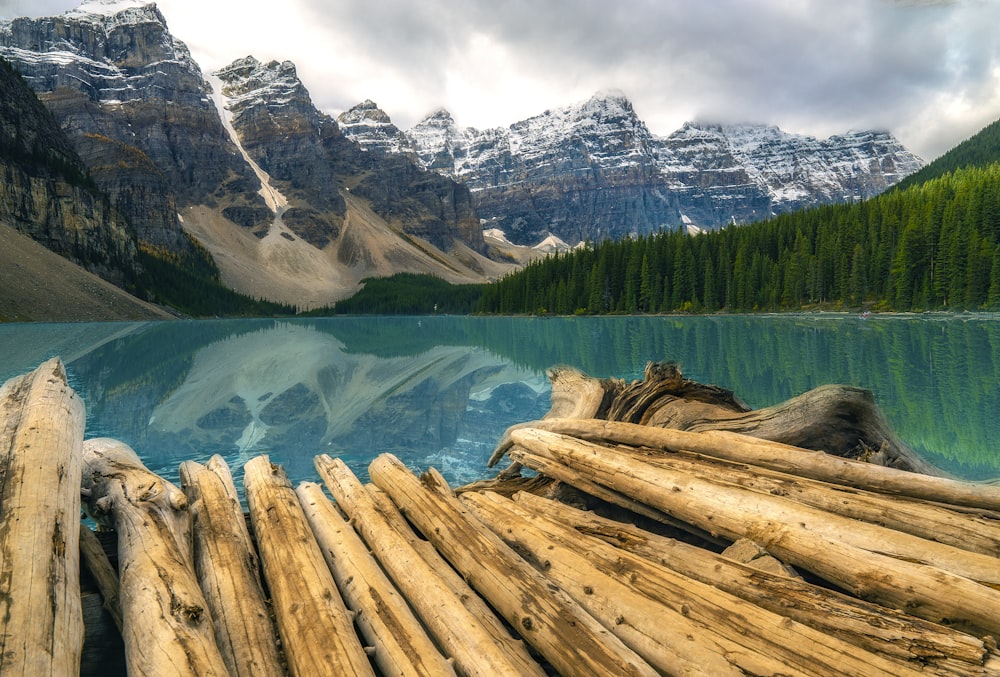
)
(840, 420)
(401, 645)
(96, 560)
(927, 591)
(469, 598)
(316, 628)
(559, 629)
(727, 634)
(226, 563)
(943, 650)
(167, 628)
(467, 637)
(575, 395)
(781, 458)
(41, 433)
(929, 521)
(589, 486)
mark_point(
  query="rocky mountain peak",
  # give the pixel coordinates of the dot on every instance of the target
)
(593, 170)
(372, 129)
(367, 111)
(248, 82)
(437, 118)
(137, 108)
(117, 12)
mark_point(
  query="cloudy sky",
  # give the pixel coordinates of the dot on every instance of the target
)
(926, 70)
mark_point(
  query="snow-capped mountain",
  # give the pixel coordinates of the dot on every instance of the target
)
(593, 169)
(289, 208)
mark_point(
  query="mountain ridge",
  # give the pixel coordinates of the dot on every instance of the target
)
(143, 118)
(702, 176)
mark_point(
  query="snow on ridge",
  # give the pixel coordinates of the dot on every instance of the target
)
(107, 7)
(275, 200)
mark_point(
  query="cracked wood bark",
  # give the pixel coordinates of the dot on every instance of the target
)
(401, 644)
(943, 650)
(724, 629)
(548, 619)
(41, 433)
(226, 563)
(466, 634)
(778, 457)
(317, 630)
(793, 533)
(167, 628)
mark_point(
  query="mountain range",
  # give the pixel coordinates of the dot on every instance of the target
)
(593, 170)
(296, 206)
(250, 170)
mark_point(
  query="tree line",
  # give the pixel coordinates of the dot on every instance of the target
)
(932, 246)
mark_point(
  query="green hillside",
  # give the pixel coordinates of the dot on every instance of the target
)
(932, 246)
(980, 150)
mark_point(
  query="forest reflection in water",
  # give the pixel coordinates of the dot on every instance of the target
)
(439, 391)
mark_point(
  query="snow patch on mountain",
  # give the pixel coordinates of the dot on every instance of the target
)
(276, 202)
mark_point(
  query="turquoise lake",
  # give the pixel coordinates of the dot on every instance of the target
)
(439, 391)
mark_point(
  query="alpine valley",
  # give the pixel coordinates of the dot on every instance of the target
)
(298, 207)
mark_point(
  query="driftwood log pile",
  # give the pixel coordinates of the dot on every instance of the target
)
(666, 529)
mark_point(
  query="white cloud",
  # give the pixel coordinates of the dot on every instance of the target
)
(927, 70)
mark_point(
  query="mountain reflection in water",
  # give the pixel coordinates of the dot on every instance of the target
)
(440, 391)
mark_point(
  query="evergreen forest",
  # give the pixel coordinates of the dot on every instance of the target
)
(932, 246)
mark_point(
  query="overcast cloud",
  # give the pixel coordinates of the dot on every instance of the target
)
(926, 70)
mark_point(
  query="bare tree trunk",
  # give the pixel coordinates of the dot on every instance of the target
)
(839, 420)
(167, 627)
(939, 649)
(719, 627)
(400, 642)
(41, 433)
(228, 570)
(466, 636)
(814, 543)
(97, 563)
(317, 630)
(558, 628)
(930, 521)
(780, 458)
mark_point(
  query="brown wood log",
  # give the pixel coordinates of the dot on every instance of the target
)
(466, 636)
(840, 420)
(401, 645)
(943, 650)
(41, 433)
(803, 537)
(317, 630)
(167, 628)
(783, 458)
(724, 630)
(228, 570)
(930, 521)
(461, 590)
(97, 563)
(559, 629)
(584, 483)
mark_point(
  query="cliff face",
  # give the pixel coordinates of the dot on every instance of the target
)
(46, 194)
(241, 160)
(307, 153)
(135, 107)
(594, 171)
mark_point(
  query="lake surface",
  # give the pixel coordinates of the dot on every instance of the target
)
(439, 391)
